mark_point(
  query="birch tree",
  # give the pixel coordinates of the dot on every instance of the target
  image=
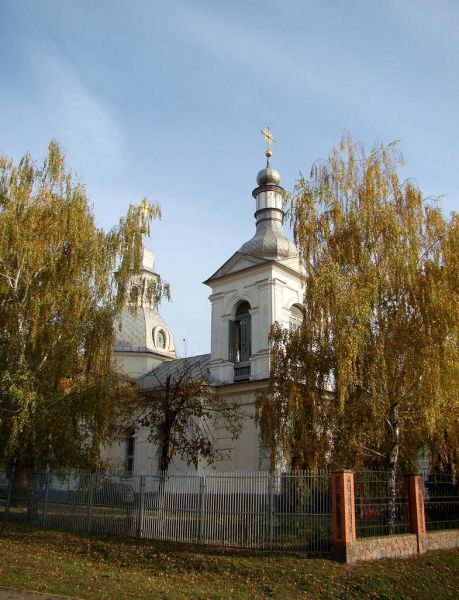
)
(371, 377)
(61, 287)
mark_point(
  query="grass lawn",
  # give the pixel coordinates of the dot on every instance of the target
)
(98, 566)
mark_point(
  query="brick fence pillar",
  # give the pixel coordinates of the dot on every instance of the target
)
(343, 513)
(416, 510)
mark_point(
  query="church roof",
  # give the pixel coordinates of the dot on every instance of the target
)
(136, 332)
(196, 366)
(270, 243)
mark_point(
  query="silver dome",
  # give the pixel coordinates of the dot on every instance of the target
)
(269, 240)
(268, 176)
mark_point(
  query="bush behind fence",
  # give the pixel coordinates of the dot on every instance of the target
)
(379, 509)
(441, 497)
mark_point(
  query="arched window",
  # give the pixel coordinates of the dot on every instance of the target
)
(296, 317)
(240, 334)
(130, 450)
(134, 293)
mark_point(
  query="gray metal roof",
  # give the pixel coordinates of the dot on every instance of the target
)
(135, 332)
(196, 366)
(270, 241)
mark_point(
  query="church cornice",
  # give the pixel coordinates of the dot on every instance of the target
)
(232, 261)
(145, 352)
(260, 266)
(242, 386)
(219, 297)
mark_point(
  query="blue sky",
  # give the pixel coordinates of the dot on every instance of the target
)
(167, 100)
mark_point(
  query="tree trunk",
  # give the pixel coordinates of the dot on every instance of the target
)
(25, 492)
(393, 465)
(164, 458)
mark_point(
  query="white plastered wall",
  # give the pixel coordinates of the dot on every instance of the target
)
(271, 290)
(244, 453)
(136, 364)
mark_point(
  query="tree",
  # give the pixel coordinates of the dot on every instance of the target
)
(61, 288)
(371, 377)
(176, 405)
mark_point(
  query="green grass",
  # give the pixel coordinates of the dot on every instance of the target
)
(106, 567)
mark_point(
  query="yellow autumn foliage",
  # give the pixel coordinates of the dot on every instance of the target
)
(371, 378)
(61, 287)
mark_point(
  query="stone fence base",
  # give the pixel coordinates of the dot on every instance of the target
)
(437, 540)
(350, 549)
(382, 547)
(397, 546)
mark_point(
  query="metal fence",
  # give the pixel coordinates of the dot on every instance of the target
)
(380, 508)
(271, 510)
(441, 498)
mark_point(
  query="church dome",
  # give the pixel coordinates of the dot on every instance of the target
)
(143, 331)
(269, 241)
(268, 176)
(140, 328)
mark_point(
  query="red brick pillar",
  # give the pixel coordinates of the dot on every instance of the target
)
(343, 513)
(416, 509)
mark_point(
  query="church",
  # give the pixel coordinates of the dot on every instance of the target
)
(260, 284)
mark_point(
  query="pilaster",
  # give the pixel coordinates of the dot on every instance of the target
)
(343, 512)
(416, 508)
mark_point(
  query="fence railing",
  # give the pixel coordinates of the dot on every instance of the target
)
(266, 510)
(441, 498)
(381, 504)
(270, 510)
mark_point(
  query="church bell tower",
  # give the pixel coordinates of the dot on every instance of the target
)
(260, 284)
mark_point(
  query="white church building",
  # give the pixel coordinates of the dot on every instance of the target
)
(260, 284)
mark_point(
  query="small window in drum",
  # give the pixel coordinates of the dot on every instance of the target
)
(160, 339)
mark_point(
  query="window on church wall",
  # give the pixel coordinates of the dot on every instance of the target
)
(129, 451)
(134, 294)
(240, 334)
(296, 317)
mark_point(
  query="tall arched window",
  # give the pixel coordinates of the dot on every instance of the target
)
(134, 294)
(240, 334)
(296, 317)
(129, 449)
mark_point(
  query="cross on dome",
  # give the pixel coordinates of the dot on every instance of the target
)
(267, 134)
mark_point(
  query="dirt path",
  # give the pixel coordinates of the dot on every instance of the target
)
(6, 594)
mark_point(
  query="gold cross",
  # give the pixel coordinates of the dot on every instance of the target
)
(266, 132)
